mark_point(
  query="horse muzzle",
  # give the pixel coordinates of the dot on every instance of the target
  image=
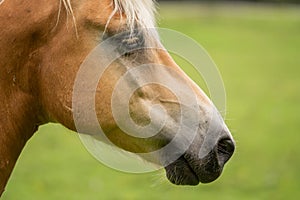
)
(189, 169)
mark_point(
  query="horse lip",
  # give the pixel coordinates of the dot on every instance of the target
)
(181, 173)
(190, 171)
(208, 169)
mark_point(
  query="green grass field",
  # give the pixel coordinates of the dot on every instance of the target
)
(257, 50)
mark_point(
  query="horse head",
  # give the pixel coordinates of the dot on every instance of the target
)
(47, 44)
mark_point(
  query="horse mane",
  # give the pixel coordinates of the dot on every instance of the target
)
(139, 13)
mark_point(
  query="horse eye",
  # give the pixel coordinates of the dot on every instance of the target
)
(127, 42)
(131, 42)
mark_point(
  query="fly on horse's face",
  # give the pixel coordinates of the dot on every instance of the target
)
(49, 40)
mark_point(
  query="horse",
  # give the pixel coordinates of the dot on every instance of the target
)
(43, 44)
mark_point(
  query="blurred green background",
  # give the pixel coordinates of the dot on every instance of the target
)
(257, 50)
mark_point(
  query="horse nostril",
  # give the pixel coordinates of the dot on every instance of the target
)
(226, 147)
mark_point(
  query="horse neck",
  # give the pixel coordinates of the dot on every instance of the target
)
(20, 109)
(18, 122)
